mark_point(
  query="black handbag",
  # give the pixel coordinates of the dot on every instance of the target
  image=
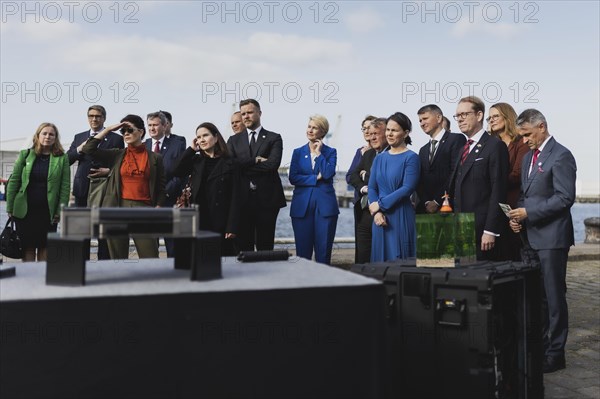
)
(10, 243)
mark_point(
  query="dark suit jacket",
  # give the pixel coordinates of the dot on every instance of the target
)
(178, 137)
(81, 182)
(480, 184)
(222, 187)
(547, 195)
(357, 157)
(171, 150)
(365, 163)
(264, 175)
(306, 185)
(435, 176)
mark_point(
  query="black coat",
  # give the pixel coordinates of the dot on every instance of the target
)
(365, 164)
(479, 185)
(265, 175)
(222, 186)
(435, 176)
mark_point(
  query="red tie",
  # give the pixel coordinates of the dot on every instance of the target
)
(535, 157)
(466, 149)
(157, 146)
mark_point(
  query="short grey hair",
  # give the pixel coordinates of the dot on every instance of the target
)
(159, 115)
(378, 122)
(532, 117)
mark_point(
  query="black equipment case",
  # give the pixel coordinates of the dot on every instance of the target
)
(468, 332)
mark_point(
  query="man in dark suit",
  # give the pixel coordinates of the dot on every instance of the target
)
(359, 179)
(480, 177)
(90, 171)
(258, 152)
(438, 159)
(548, 174)
(171, 149)
(237, 125)
(169, 126)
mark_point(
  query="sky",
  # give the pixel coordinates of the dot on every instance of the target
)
(341, 59)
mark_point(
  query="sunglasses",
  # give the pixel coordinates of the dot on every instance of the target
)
(127, 130)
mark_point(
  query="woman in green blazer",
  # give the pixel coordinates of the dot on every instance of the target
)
(40, 183)
(137, 179)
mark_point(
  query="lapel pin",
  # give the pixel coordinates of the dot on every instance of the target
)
(476, 151)
(306, 156)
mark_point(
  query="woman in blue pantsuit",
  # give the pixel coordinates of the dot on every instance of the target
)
(314, 208)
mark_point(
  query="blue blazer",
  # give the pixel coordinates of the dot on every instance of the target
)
(304, 178)
(547, 195)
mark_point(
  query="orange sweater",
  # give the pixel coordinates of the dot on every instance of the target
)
(135, 175)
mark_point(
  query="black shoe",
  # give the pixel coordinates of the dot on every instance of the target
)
(554, 363)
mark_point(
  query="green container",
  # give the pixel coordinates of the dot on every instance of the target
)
(446, 236)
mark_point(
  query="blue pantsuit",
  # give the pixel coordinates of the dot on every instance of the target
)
(314, 209)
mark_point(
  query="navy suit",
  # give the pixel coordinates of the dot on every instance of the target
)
(314, 209)
(171, 149)
(81, 181)
(480, 184)
(547, 195)
(355, 161)
(261, 203)
(435, 174)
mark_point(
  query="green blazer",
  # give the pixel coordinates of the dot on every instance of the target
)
(114, 158)
(59, 184)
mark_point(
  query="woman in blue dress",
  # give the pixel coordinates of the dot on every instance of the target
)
(314, 209)
(394, 178)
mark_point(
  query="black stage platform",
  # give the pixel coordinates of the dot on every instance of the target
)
(141, 329)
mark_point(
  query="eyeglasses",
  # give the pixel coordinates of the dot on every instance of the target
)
(127, 130)
(492, 117)
(462, 115)
(95, 116)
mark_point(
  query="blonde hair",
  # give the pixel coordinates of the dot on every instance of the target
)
(510, 118)
(57, 148)
(321, 123)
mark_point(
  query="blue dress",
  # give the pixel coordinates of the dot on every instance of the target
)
(394, 177)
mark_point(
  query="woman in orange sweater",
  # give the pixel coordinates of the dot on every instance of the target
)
(137, 179)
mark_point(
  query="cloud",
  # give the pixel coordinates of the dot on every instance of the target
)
(290, 50)
(43, 31)
(364, 20)
(500, 30)
(261, 56)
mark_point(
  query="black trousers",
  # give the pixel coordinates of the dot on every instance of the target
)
(257, 226)
(363, 233)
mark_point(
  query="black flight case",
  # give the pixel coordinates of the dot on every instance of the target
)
(465, 332)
